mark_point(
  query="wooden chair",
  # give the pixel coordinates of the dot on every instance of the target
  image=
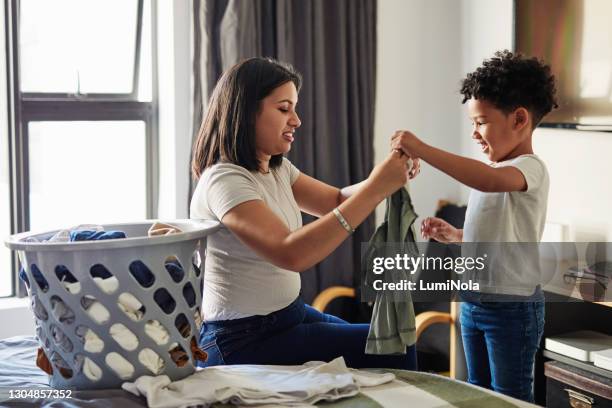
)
(423, 320)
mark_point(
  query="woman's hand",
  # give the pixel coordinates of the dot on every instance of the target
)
(440, 230)
(404, 141)
(414, 169)
(390, 175)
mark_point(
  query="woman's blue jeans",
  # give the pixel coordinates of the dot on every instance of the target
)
(292, 336)
(500, 340)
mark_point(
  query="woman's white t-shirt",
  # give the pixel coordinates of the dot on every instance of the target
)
(238, 282)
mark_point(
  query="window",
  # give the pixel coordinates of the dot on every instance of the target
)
(83, 115)
(6, 288)
(6, 281)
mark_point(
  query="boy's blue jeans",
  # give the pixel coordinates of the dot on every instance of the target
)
(500, 340)
(292, 336)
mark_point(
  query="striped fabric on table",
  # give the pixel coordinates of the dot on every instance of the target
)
(424, 390)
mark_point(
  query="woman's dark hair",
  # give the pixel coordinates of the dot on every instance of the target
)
(509, 81)
(228, 131)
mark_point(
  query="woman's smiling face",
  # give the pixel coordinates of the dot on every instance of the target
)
(276, 121)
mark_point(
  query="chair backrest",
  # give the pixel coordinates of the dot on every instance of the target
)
(434, 343)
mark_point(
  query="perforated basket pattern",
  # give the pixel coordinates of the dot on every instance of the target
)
(116, 256)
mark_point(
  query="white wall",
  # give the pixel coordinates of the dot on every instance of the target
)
(578, 161)
(424, 49)
(487, 27)
(418, 72)
(175, 106)
(580, 188)
(16, 318)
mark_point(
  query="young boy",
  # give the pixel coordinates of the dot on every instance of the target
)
(507, 98)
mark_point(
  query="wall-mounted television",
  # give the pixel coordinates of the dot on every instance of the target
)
(575, 38)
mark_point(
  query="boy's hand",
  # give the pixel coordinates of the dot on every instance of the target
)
(406, 142)
(440, 230)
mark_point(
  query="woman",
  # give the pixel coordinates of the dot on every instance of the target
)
(252, 310)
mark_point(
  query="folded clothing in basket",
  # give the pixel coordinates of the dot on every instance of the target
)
(160, 228)
(85, 232)
(88, 235)
(127, 302)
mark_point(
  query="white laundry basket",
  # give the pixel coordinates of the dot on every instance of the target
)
(105, 362)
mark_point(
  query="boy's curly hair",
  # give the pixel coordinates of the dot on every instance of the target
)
(509, 81)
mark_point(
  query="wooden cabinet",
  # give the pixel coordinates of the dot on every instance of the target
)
(569, 386)
(562, 316)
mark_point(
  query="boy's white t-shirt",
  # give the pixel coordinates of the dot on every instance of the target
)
(518, 216)
(238, 282)
(514, 217)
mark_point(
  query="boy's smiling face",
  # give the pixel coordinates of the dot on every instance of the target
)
(501, 136)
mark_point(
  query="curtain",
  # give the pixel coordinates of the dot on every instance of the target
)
(333, 44)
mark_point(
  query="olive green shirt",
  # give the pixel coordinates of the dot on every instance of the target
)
(392, 328)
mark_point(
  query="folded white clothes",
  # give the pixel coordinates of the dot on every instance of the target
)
(121, 334)
(123, 368)
(72, 287)
(131, 306)
(128, 303)
(151, 360)
(288, 386)
(157, 332)
(160, 228)
(92, 342)
(108, 285)
(89, 368)
(95, 309)
(124, 336)
(127, 340)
